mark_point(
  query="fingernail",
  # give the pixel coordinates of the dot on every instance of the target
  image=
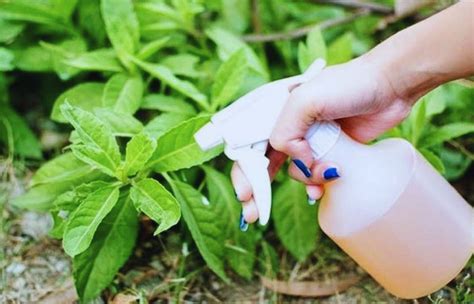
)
(330, 174)
(243, 225)
(311, 201)
(302, 167)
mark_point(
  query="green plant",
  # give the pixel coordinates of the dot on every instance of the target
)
(422, 128)
(137, 80)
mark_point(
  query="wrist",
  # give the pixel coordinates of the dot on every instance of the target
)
(388, 90)
(407, 75)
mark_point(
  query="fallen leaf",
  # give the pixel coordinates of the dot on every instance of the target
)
(65, 294)
(123, 298)
(310, 288)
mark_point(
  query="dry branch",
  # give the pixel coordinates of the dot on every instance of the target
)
(300, 32)
(310, 289)
(374, 7)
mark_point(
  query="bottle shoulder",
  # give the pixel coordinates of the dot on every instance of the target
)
(372, 179)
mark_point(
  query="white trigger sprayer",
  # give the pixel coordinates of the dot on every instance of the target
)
(245, 127)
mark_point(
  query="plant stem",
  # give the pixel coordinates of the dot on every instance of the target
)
(300, 32)
(372, 6)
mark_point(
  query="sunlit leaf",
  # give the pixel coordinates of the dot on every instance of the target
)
(151, 198)
(177, 149)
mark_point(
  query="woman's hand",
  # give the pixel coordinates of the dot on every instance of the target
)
(355, 94)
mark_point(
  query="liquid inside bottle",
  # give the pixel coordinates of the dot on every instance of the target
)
(395, 215)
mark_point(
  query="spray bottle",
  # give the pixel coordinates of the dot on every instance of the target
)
(391, 211)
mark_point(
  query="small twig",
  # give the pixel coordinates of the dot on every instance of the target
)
(374, 7)
(462, 149)
(256, 23)
(402, 14)
(300, 32)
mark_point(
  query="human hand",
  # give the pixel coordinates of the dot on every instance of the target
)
(357, 95)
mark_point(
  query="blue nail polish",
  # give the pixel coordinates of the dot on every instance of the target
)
(302, 167)
(330, 174)
(243, 225)
(311, 201)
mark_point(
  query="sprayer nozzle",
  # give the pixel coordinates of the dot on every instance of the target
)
(208, 137)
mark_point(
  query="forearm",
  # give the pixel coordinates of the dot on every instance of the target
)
(427, 54)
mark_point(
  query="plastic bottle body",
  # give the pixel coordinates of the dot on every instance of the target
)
(394, 214)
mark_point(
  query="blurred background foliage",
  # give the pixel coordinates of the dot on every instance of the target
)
(52, 50)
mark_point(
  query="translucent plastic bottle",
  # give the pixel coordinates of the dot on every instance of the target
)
(393, 213)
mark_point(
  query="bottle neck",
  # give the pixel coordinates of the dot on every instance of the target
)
(329, 143)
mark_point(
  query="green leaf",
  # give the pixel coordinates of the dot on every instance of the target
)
(225, 204)
(42, 12)
(228, 44)
(83, 224)
(103, 60)
(13, 129)
(95, 157)
(436, 101)
(445, 133)
(434, 160)
(177, 149)
(90, 20)
(124, 125)
(6, 60)
(63, 8)
(315, 48)
(9, 30)
(70, 200)
(229, 79)
(295, 220)
(417, 121)
(152, 47)
(151, 198)
(67, 49)
(340, 50)
(163, 123)
(123, 93)
(456, 163)
(122, 27)
(139, 150)
(59, 224)
(199, 218)
(33, 59)
(42, 197)
(166, 103)
(268, 260)
(182, 64)
(63, 168)
(96, 267)
(165, 75)
(98, 147)
(236, 15)
(86, 96)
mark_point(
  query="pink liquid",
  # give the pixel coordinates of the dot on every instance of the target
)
(396, 216)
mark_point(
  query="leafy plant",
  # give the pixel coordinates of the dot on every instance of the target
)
(135, 80)
(421, 129)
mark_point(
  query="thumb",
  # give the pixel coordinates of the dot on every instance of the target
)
(288, 136)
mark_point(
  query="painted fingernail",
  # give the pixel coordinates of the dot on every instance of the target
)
(302, 167)
(311, 201)
(243, 225)
(330, 174)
